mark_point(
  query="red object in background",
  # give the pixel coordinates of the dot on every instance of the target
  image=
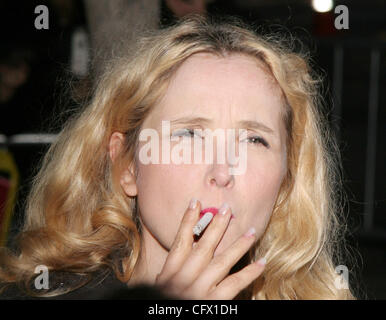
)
(323, 23)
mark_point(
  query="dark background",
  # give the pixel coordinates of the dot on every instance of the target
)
(342, 56)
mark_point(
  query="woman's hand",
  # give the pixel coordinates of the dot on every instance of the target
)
(192, 272)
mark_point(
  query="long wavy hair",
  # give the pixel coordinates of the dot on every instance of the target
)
(78, 218)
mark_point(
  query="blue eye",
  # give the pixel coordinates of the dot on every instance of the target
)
(184, 132)
(257, 140)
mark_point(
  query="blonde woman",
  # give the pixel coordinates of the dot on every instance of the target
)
(274, 231)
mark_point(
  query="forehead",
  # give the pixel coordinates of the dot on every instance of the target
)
(237, 85)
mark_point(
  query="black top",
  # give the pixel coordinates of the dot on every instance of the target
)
(103, 286)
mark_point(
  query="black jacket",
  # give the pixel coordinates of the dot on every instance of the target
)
(103, 286)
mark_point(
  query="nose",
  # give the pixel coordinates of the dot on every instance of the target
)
(218, 175)
(219, 171)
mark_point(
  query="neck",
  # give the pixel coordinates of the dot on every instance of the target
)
(150, 262)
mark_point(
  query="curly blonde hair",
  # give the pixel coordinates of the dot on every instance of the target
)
(78, 219)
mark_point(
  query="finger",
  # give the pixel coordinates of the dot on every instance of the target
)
(231, 286)
(183, 242)
(202, 253)
(220, 266)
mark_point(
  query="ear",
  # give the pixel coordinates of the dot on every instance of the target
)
(127, 176)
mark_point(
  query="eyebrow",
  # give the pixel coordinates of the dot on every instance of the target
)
(244, 124)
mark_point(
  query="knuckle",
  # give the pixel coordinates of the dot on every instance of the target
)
(234, 281)
(202, 250)
(221, 262)
(179, 243)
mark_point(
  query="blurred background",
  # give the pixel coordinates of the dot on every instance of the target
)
(47, 67)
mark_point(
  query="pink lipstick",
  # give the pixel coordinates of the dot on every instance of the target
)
(206, 216)
(212, 210)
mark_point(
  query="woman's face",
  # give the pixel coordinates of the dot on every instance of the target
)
(225, 91)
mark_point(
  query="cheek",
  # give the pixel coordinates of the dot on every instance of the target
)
(162, 190)
(261, 186)
(154, 182)
(265, 178)
(265, 173)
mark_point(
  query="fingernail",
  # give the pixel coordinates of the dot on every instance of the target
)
(193, 203)
(262, 261)
(250, 232)
(223, 209)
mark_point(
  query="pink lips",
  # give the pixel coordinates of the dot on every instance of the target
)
(213, 210)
